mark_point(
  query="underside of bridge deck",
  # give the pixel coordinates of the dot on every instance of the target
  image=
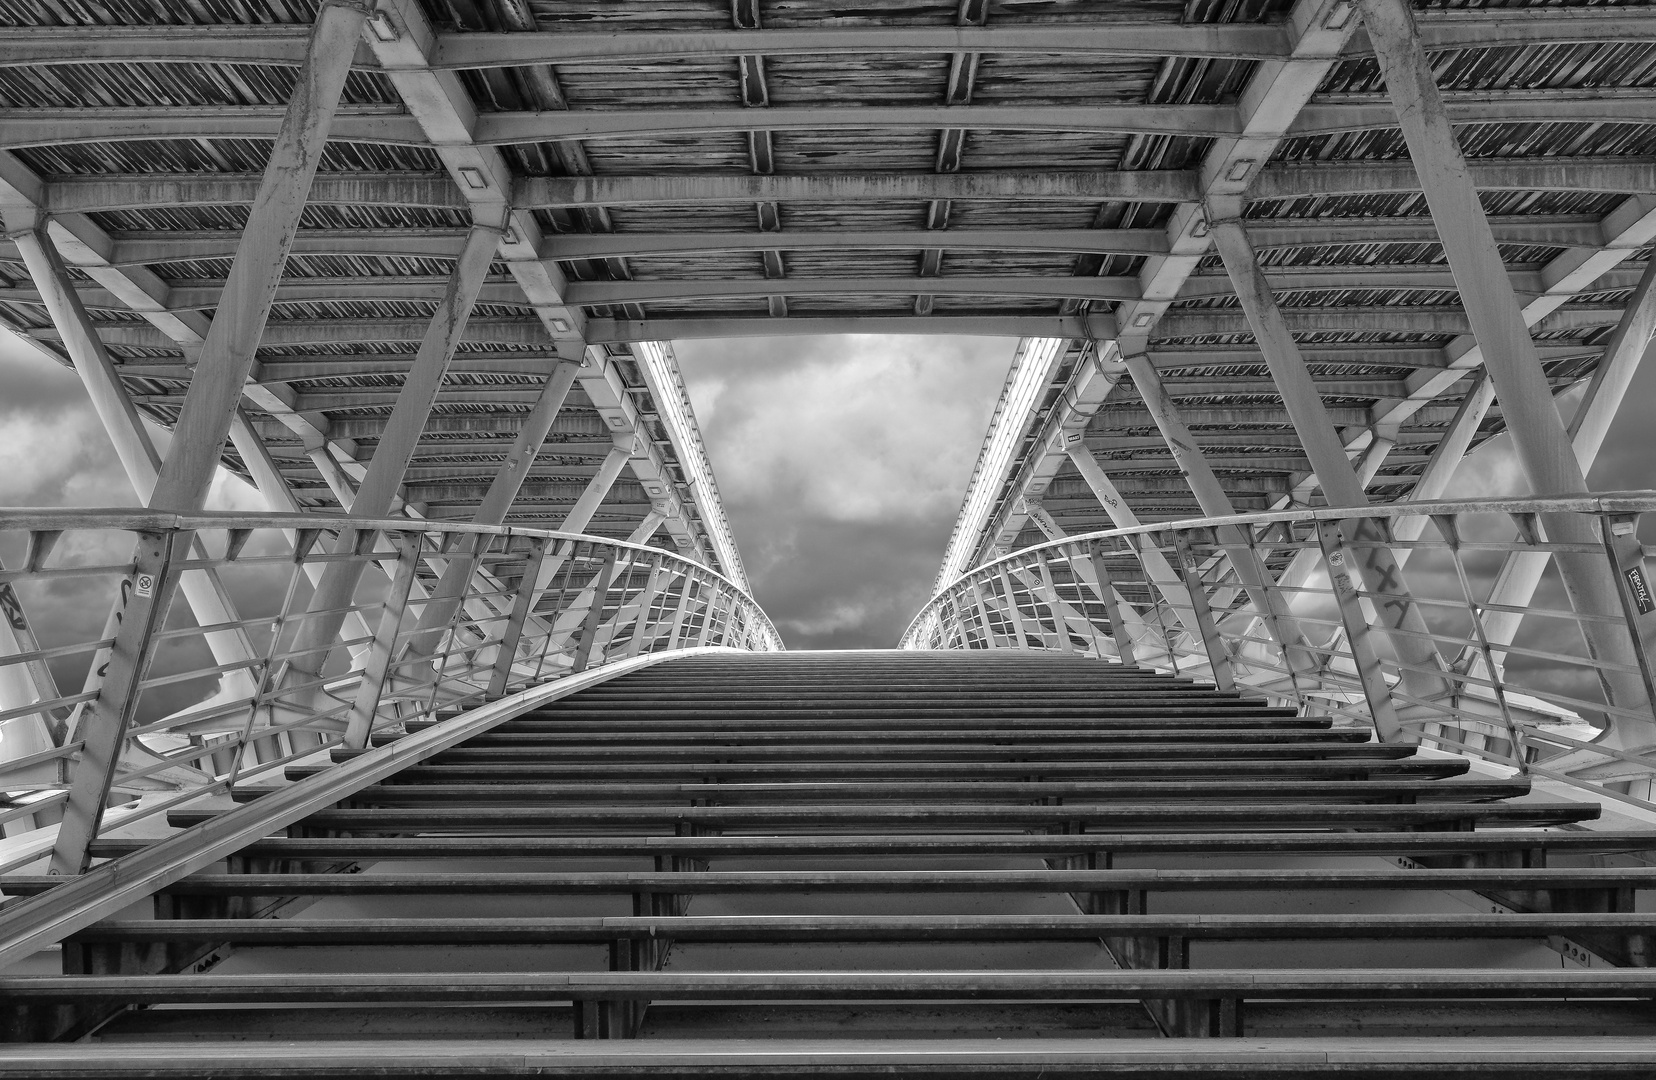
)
(864, 863)
(413, 268)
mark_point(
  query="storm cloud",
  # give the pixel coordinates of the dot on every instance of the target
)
(842, 462)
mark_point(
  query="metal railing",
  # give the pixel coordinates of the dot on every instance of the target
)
(1439, 623)
(437, 618)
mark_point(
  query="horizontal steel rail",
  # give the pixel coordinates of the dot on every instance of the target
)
(221, 707)
(1514, 682)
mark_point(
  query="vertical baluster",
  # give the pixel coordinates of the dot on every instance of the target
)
(1051, 590)
(595, 613)
(1214, 645)
(1449, 527)
(1112, 608)
(512, 637)
(1344, 587)
(365, 707)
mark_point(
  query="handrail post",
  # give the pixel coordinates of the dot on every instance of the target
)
(1112, 608)
(1051, 590)
(705, 631)
(1299, 661)
(1344, 587)
(1135, 543)
(1218, 658)
(645, 601)
(594, 615)
(512, 637)
(1633, 588)
(983, 615)
(1014, 613)
(682, 611)
(1450, 530)
(103, 730)
(369, 691)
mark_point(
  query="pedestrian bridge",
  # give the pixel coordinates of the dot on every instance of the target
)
(1229, 743)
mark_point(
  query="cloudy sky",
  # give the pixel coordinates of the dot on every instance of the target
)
(842, 461)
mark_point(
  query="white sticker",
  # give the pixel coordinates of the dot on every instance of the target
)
(144, 585)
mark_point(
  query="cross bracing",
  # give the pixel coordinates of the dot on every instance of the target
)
(702, 174)
(1276, 263)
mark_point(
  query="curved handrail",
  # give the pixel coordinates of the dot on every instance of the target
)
(447, 615)
(35, 519)
(1615, 502)
(1314, 608)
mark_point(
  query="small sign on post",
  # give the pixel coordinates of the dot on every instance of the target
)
(1640, 589)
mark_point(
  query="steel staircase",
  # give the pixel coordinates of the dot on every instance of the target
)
(857, 863)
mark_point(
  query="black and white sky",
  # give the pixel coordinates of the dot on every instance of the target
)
(842, 462)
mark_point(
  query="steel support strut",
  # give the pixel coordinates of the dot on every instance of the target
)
(1256, 580)
(207, 598)
(580, 515)
(1538, 434)
(1521, 574)
(396, 449)
(209, 407)
(1156, 567)
(238, 323)
(1377, 566)
(497, 501)
(140, 616)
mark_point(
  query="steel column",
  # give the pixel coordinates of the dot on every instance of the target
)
(1631, 343)
(1538, 434)
(503, 490)
(208, 600)
(1520, 575)
(1059, 622)
(646, 601)
(646, 528)
(512, 636)
(705, 635)
(1156, 566)
(228, 353)
(1340, 483)
(1213, 644)
(1257, 581)
(103, 730)
(215, 391)
(600, 590)
(1112, 606)
(580, 515)
(1446, 457)
(359, 726)
(1014, 613)
(25, 684)
(682, 612)
(396, 447)
(983, 615)
(1375, 690)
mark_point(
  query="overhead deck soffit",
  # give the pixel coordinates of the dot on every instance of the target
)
(381, 234)
(722, 170)
(1347, 245)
